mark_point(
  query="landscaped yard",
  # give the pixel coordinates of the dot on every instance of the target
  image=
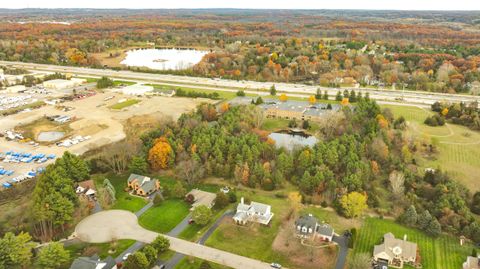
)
(441, 253)
(124, 104)
(164, 217)
(340, 224)
(459, 149)
(124, 199)
(85, 249)
(254, 241)
(194, 263)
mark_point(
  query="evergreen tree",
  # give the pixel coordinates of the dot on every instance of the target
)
(339, 96)
(53, 256)
(138, 165)
(434, 228)
(424, 220)
(273, 90)
(410, 216)
(318, 95)
(104, 82)
(325, 95)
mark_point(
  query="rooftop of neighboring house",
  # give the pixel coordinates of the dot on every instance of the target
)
(325, 229)
(472, 263)
(93, 262)
(308, 221)
(202, 198)
(256, 207)
(141, 179)
(392, 247)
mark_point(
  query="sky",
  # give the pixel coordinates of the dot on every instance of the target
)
(253, 4)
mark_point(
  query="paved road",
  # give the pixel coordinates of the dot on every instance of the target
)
(175, 232)
(120, 224)
(143, 209)
(342, 242)
(415, 97)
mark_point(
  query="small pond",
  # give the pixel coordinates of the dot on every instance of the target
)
(163, 59)
(50, 136)
(290, 140)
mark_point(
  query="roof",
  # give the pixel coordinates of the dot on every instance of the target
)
(325, 229)
(87, 184)
(93, 262)
(392, 247)
(148, 186)
(472, 263)
(259, 207)
(202, 198)
(307, 221)
(140, 178)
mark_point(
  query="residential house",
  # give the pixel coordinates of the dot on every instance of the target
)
(307, 226)
(93, 262)
(202, 198)
(395, 252)
(254, 212)
(142, 185)
(86, 187)
(472, 263)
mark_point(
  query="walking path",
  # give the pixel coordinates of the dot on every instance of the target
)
(119, 224)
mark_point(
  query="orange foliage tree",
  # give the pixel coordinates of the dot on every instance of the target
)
(283, 97)
(312, 100)
(159, 155)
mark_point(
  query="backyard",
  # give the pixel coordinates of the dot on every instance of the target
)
(101, 249)
(458, 146)
(164, 217)
(440, 253)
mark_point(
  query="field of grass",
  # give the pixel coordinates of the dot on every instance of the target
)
(221, 94)
(124, 200)
(253, 241)
(11, 111)
(443, 252)
(124, 104)
(164, 217)
(194, 263)
(459, 147)
(340, 224)
(77, 250)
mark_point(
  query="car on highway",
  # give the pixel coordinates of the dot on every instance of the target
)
(125, 257)
(275, 265)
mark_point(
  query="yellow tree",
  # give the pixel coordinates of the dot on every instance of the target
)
(283, 97)
(445, 112)
(312, 99)
(159, 154)
(345, 102)
(354, 204)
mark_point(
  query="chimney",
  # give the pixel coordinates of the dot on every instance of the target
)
(241, 200)
(405, 237)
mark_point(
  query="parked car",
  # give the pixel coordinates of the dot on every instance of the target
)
(275, 265)
(191, 221)
(125, 257)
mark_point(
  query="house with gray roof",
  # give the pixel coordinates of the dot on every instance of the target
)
(395, 252)
(254, 212)
(307, 226)
(93, 262)
(142, 185)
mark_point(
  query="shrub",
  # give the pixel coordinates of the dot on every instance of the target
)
(232, 197)
(190, 198)
(157, 200)
(221, 201)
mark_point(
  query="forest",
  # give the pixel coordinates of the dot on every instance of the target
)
(416, 51)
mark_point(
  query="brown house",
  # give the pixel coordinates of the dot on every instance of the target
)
(142, 185)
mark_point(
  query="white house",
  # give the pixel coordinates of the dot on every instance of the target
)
(254, 212)
(472, 263)
(395, 252)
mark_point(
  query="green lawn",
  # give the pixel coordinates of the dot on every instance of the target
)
(121, 82)
(441, 253)
(164, 217)
(221, 94)
(459, 150)
(274, 124)
(194, 231)
(340, 224)
(194, 263)
(124, 200)
(253, 241)
(77, 250)
(124, 104)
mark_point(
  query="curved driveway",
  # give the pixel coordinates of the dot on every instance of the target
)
(110, 225)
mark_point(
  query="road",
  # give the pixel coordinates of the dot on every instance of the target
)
(342, 243)
(120, 224)
(413, 97)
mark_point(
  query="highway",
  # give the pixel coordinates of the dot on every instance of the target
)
(301, 90)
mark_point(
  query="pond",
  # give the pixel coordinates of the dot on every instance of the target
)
(290, 140)
(163, 59)
(50, 136)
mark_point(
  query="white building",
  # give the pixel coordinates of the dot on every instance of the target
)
(16, 89)
(472, 263)
(254, 212)
(60, 84)
(137, 89)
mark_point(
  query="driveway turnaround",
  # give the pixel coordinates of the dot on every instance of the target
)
(111, 225)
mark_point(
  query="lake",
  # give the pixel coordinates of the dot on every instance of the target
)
(163, 59)
(290, 140)
(50, 136)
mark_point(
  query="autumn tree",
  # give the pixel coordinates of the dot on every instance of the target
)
(353, 204)
(16, 250)
(160, 155)
(312, 100)
(283, 97)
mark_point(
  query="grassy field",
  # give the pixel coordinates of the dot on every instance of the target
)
(11, 111)
(443, 252)
(164, 217)
(78, 250)
(459, 147)
(194, 263)
(340, 224)
(124, 200)
(221, 94)
(124, 104)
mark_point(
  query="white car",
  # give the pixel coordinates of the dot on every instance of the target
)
(275, 265)
(125, 257)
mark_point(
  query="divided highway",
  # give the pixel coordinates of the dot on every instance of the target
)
(406, 97)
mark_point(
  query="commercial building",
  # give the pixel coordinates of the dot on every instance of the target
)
(297, 110)
(137, 89)
(15, 89)
(60, 84)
